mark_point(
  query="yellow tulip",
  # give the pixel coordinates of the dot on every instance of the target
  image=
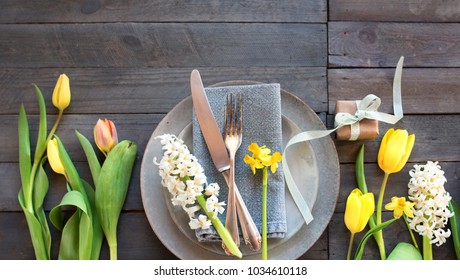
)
(61, 93)
(53, 157)
(105, 135)
(358, 210)
(395, 149)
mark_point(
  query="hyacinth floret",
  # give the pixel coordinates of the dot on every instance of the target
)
(184, 177)
(431, 212)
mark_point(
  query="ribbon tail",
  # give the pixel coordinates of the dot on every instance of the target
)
(292, 186)
(397, 100)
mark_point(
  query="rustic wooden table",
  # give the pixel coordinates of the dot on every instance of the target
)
(130, 61)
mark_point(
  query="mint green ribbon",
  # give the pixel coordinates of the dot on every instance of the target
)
(366, 109)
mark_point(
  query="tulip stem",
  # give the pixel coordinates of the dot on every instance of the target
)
(29, 199)
(350, 245)
(379, 216)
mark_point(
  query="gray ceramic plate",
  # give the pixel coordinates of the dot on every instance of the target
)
(314, 165)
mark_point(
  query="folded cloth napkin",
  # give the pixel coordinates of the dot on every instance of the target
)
(261, 124)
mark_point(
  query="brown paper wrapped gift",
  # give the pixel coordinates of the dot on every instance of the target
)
(368, 129)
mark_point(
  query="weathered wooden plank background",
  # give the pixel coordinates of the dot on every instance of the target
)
(130, 61)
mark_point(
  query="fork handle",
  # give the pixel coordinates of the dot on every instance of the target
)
(249, 229)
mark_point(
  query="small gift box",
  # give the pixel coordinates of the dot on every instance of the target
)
(365, 129)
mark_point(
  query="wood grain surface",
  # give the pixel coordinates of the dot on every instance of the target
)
(130, 61)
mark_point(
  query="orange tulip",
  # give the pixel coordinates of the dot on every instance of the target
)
(105, 135)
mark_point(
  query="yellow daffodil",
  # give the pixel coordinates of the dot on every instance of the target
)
(261, 159)
(395, 149)
(105, 135)
(273, 161)
(358, 210)
(53, 157)
(400, 206)
(61, 93)
(253, 163)
(261, 153)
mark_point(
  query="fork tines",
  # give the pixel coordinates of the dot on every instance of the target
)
(234, 114)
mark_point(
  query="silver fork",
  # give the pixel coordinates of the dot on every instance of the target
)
(233, 135)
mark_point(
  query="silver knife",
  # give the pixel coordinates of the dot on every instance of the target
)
(216, 146)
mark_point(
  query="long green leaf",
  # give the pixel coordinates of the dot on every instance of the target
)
(72, 198)
(40, 190)
(42, 128)
(454, 222)
(98, 234)
(85, 237)
(361, 180)
(112, 188)
(369, 233)
(25, 164)
(35, 230)
(72, 174)
(93, 162)
(69, 248)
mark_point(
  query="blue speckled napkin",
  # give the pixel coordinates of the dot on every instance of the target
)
(261, 124)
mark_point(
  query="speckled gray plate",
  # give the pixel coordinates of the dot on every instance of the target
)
(314, 165)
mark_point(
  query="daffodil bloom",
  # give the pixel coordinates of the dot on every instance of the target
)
(61, 93)
(53, 157)
(261, 159)
(400, 206)
(253, 163)
(395, 149)
(359, 209)
(105, 135)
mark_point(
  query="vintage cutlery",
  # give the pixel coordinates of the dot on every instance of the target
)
(233, 134)
(220, 158)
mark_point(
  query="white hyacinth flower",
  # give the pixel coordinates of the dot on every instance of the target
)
(431, 212)
(184, 178)
(213, 205)
(201, 222)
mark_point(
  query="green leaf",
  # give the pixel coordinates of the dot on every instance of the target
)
(93, 162)
(69, 248)
(35, 230)
(39, 193)
(85, 237)
(24, 150)
(72, 198)
(454, 222)
(369, 233)
(361, 180)
(405, 251)
(112, 188)
(42, 128)
(98, 234)
(72, 173)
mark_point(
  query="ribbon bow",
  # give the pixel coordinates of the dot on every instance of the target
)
(366, 109)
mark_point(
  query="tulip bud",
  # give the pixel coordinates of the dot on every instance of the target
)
(395, 149)
(358, 210)
(61, 93)
(105, 135)
(53, 157)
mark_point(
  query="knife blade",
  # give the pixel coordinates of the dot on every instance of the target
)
(219, 155)
(209, 128)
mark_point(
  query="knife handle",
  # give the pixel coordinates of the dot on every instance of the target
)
(251, 234)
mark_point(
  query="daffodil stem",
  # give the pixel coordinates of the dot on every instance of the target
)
(350, 245)
(264, 213)
(379, 234)
(410, 232)
(427, 248)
